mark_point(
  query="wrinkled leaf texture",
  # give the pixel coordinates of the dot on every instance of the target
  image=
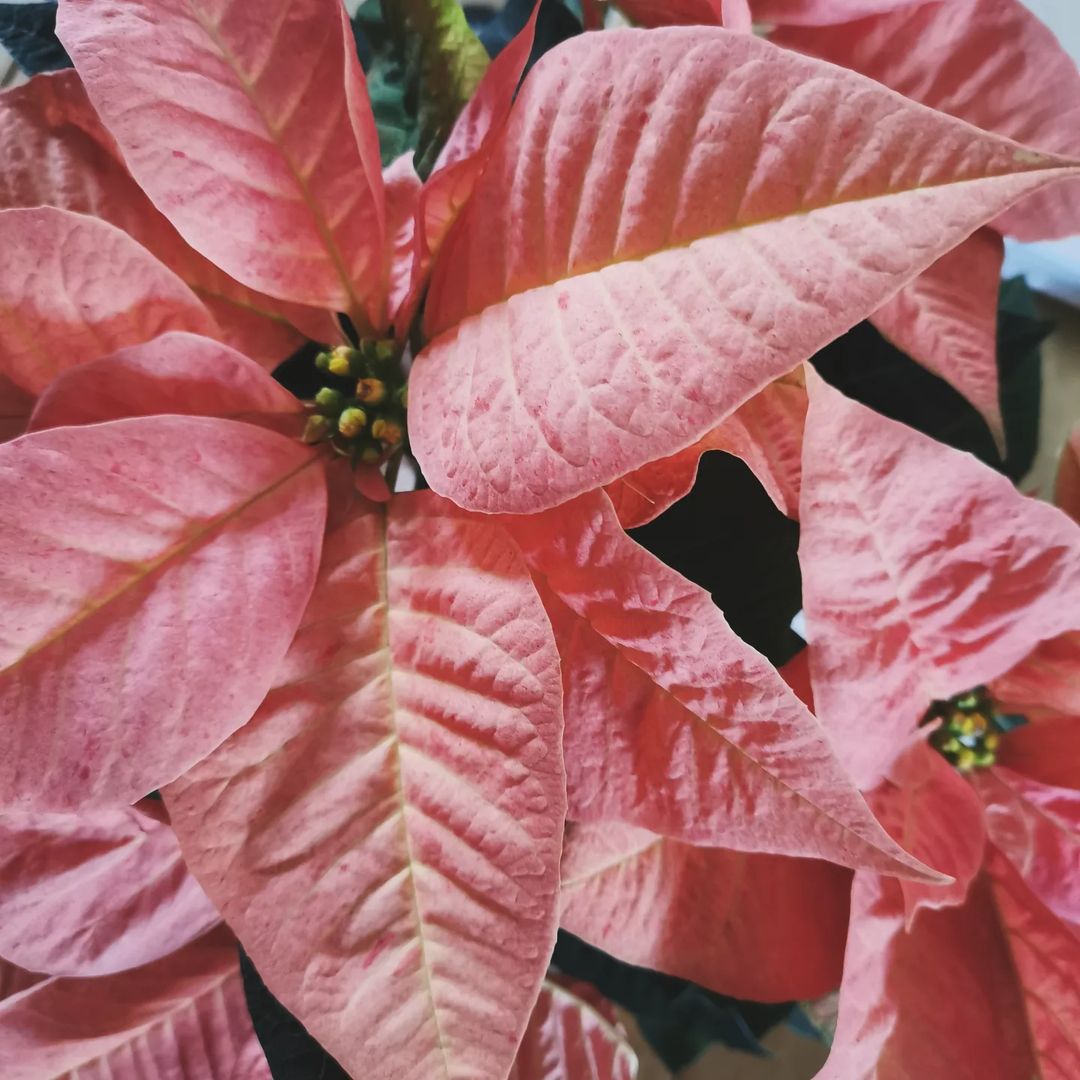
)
(385, 833)
(94, 893)
(654, 274)
(153, 570)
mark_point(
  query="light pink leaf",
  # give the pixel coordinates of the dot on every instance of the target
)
(54, 151)
(1037, 828)
(990, 62)
(176, 373)
(1046, 751)
(931, 811)
(403, 189)
(737, 15)
(925, 573)
(249, 127)
(765, 432)
(939, 1000)
(567, 1039)
(634, 264)
(57, 306)
(673, 723)
(182, 1016)
(1046, 955)
(764, 927)
(153, 572)
(385, 834)
(946, 319)
(94, 893)
(1067, 487)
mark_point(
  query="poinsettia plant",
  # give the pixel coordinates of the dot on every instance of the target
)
(400, 735)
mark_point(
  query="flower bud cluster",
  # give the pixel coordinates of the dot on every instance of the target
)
(971, 727)
(361, 410)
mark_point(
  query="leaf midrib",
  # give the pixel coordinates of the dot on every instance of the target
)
(185, 546)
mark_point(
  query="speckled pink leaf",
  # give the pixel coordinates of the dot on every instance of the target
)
(183, 1016)
(939, 1000)
(1046, 957)
(931, 811)
(1038, 828)
(674, 724)
(925, 573)
(73, 288)
(153, 572)
(54, 151)
(766, 432)
(567, 1039)
(384, 835)
(1067, 487)
(635, 263)
(94, 893)
(990, 62)
(249, 127)
(177, 373)
(946, 319)
(765, 927)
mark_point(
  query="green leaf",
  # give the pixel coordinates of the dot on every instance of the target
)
(423, 63)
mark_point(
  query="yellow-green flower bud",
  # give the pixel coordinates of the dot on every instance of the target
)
(330, 400)
(341, 360)
(351, 422)
(316, 429)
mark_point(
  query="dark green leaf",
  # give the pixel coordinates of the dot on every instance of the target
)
(291, 1052)
(728, 536)
(679, 1018)
(423, 63)
(555, 24)
(28, 32)
(868, 368)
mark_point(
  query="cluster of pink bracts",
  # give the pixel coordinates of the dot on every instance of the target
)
(400, 740)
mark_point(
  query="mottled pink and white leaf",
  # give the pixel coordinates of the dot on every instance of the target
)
(265, 163)
(57, 308)
(153, 573)
(177, 373)
(94, 893)
(635, 264)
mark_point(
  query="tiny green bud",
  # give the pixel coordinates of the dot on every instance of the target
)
(342, 360)
(351, 422)
(402, 396)
(384, 351)
(330, 400)
(322, 361)
(370, 455)
(316, 429)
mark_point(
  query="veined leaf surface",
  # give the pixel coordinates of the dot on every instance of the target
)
(385, 834)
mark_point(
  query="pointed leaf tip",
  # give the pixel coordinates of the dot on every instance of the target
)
(674, 724)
